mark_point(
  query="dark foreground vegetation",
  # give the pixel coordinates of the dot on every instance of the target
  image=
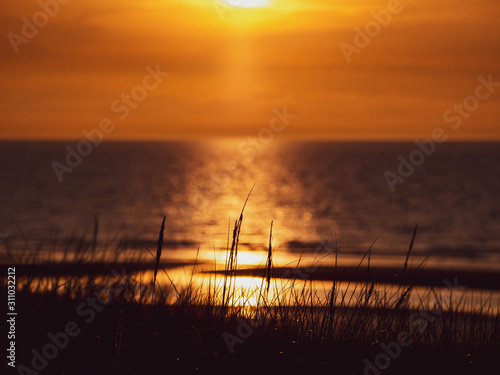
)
(117, 323)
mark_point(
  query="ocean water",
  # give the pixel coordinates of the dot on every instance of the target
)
(327, 193)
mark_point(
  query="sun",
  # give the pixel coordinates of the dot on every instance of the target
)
(247, 3)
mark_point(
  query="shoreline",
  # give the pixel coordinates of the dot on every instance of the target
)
(427, 277)
(489, 280)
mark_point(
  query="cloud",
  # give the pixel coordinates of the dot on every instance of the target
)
(226, 76)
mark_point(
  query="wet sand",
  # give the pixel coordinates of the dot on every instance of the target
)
(386, 275)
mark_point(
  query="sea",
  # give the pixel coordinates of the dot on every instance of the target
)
(320, 197)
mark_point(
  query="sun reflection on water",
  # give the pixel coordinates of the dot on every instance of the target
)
(250, 292)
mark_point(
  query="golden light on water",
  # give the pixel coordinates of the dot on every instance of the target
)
(249, 292)
(250, 258)
(246, 291)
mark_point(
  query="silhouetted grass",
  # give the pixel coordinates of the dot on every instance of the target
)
(148, 327)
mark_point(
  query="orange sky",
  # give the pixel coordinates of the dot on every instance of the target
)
(226, 75)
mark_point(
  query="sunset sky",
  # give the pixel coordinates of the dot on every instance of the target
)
(229, 67)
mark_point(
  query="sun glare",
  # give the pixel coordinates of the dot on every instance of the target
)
(247, 3)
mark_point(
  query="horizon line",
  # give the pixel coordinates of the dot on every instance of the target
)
(239, 138)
